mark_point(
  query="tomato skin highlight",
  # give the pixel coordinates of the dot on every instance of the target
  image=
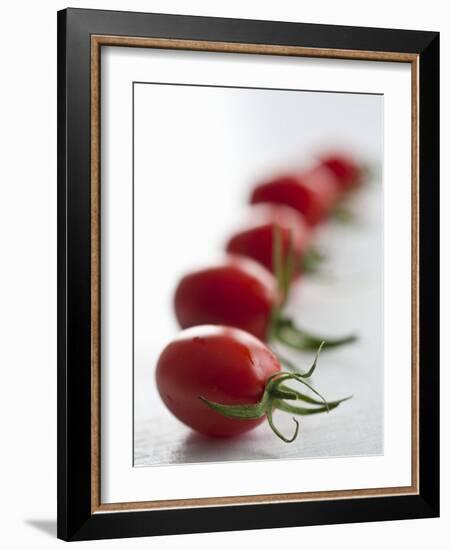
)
(221, 364)
(312, 193)
(347, 171)
(235, 292)
(256, 238)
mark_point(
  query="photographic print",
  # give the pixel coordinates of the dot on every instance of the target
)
(258, 235)
(242, 332)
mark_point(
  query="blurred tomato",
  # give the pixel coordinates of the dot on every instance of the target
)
(256, 238)
(347, 171)
(313, 193)
(236, 291)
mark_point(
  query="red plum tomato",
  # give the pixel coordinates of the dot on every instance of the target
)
(347, 171)
(221, 364)
(256, 238)
(313, 193)
(236, 291)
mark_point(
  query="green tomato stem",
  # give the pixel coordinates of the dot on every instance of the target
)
(278, 396)
(286, 332)
(282, 328)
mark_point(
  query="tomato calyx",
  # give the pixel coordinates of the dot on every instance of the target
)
(343, 214)
(311, 260)
(278, 396)
(287, 333)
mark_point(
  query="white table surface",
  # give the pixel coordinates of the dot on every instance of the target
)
(346, 296)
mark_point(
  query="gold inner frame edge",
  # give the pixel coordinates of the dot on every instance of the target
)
(97, 41)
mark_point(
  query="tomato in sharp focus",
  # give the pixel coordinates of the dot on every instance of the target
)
(347, 171)
(221, 364)
(313, 193)
(256, 238)
(236, 291)
(223, 382)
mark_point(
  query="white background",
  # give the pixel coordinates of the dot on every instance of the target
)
(28, 275)
(259, 132)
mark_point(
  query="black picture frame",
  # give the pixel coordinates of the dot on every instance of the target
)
(76, 520)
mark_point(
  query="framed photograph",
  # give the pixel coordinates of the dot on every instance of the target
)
(248, 274)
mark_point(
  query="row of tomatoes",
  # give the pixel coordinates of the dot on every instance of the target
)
(220, 378)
